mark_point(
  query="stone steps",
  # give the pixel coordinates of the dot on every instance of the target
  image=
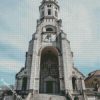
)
(46, 97)
(8, 98)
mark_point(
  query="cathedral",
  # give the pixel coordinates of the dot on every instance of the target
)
(49, 72)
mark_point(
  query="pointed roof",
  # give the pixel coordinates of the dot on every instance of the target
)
(94, 73)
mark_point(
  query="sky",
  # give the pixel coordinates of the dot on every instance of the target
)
(80, 21)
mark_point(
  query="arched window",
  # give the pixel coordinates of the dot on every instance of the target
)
(48, 5)
(49, 29)
(49, 11)
(24, 83)
(74, 83)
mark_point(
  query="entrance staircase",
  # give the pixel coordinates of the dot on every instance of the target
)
(44, 97)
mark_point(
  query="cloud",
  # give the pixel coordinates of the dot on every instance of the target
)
(17, 23)
(10, 65)
(79, 22)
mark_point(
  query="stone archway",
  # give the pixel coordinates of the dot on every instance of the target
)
(49, 71)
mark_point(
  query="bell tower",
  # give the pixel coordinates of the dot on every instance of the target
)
(49, 9)
(52, 61)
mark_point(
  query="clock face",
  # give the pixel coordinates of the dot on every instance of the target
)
(49, 37)
(53, 37)
(46, 38)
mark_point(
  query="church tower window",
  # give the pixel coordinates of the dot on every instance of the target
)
(48, 5)
(49, 11)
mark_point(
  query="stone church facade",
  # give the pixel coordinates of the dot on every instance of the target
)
(49, 66)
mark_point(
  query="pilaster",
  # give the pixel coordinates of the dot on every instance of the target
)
(67, 63)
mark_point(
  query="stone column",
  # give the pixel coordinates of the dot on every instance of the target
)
(83, 84)
(28, 82)
(68, 64)
(37, 75)
(35, 71)
(61, 74)
(33, 67)
(20, 84)
(83, 88)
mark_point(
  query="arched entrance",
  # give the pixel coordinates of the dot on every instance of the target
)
(49, 71)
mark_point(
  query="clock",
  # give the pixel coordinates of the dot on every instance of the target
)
(46, 37)
(53, 37)
(49, 37)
